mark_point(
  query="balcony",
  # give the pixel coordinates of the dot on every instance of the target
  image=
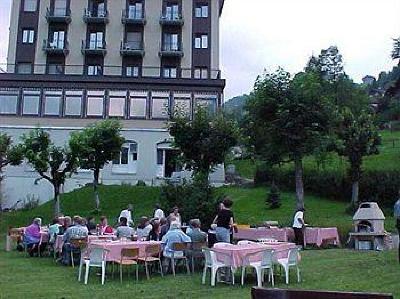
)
(133, 17)
(171, 50)
(132, 48)
(56, 47)
(91, 16)
(58, 16)
(94, 48)
(171, 20)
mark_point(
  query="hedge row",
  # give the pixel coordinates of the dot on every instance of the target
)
(379, 186)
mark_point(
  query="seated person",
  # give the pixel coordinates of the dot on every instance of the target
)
(155, 233)
(67, 222)
(76, 232)
(104, 228)
(91, 225)
(175, 215)
(174, 235)
(32, 235)
(123, 230)
(195, 234)
(54, 230)
(164, 227)
(144, 228)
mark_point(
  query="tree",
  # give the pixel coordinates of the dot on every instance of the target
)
(9, 155)
(96, 146)
(329, 64)
(52, 163)
(204, 141)
(396, 49)
(289, 119)
(358, 137)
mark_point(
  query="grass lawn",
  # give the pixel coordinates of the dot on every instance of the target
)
(388, 159)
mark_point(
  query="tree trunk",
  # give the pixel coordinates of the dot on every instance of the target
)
(298, 164)
(95, 189)
(57, 208)
(354, 194)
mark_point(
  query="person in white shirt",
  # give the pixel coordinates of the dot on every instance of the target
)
(298, 227)
(127, 214)
(158, 213)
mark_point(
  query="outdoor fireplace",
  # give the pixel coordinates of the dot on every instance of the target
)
(369, 228)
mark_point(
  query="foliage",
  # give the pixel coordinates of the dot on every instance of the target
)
(204, 141)
(329, 64)
(96, 146)
(51, 162)
(358, 137)
(30, 202)
(396, 48)
(273, 199)
(141, 183)
(289, 119)
(195, 200)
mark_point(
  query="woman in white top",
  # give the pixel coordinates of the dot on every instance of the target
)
(298, 227)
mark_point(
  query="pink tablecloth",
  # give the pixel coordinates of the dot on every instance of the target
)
(58, 245)
(254, 234)
(317, 235)
(238, 252)
(115, 247)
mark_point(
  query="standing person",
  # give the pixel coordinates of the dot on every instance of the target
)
(176, 216)
(397, 217)
(298, 227)
(158, 212)
(127, 214)
(224, 221)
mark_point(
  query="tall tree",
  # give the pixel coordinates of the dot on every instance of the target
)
(51, 162)
(96, 146)
(9, 155)
(358, 137)
(289, 119)
(204, 141)
(396, 49)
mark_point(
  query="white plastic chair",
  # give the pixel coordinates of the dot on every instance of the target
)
(97, 259)
(245, 242)
(291, 261)
(212, 263)
(267, 240)
(267, 262)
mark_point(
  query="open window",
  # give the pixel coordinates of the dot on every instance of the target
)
(126, 161)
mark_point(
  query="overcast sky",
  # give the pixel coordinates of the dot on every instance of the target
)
(264, 34)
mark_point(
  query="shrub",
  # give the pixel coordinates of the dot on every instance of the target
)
(141, 183)
(30, 202)
(274, 197)
(194, 200)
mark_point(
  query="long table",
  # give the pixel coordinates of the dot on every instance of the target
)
(59, 243)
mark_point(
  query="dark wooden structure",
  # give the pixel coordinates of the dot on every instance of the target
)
(262, 293)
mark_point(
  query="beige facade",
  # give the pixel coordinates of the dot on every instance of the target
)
(42, 34)
(187, 12)
(13, 34)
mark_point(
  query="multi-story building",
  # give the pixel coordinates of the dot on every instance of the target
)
(74, 62)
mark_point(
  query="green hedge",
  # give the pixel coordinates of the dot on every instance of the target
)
(375, 185)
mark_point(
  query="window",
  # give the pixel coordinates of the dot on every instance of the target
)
(55, 69)
(73, 103)
(172, 12)
(135, 11)
(57, 41)
(24, 68)
(201, 73)
(160, 106)
(132, 71)
(137, 106)
(126, 160)
(8, 102)
(117, 104)
(160, 157)
(94, 70)
(208, 102)
(201, 11)
(31, 101)
(28, 36)
(182, 105)
(171, 42)
(60, 7)
(95, 103)
(169, 72)
(201, 41)
(96, 40)
(52, 103)
(30, 5)
(101, 9)
(134, 41)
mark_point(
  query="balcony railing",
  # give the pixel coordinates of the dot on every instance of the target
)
(171, 20)
(94, 48)
(133, 17)
(59, 15)
(60, 47)
(132, 48)
(95, 16)
(171, 50)
(146, 72)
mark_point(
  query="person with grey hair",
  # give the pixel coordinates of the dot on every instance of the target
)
(78, 231)
(32, 235)
(174, 235)
(196, 234)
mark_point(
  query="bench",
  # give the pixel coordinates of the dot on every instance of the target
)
(262, 293)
